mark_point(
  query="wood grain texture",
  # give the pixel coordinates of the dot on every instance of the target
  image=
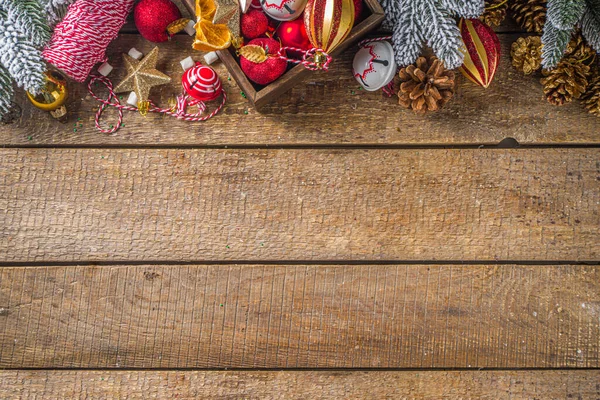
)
(512, 107)
(300, 316)
(213, 385)
(83, 205)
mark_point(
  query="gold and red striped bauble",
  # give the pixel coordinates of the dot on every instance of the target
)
(328, 22)
(482, 55)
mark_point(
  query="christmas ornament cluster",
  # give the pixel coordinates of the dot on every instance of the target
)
(47, 45)
(271, 36)
(459, 33)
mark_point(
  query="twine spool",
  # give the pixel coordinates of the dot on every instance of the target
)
(79, 42)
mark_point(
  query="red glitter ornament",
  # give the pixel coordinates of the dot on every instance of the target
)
(293, 34)
(254, 24)
(483, 51)
(269, 70)
(202, 83)
(152, 17)
(358, 9)
(328, 22)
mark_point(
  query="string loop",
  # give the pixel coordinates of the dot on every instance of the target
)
(179, 111)
(313, 59)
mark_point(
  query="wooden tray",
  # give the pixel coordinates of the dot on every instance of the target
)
(259, 95)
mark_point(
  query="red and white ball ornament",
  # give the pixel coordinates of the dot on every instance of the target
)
(202, 83)
(374, 66)
(283, 10)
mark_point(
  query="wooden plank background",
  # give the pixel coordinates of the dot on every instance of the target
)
(143, 264)
(310, 115)
(498, 385)
(300, 316)
(78, 205)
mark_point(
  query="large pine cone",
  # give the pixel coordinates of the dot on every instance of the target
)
(426, 85)
(578, 49)
(526, 54)
(566, 82)
(529, 14)
(495, 12)
(591, 98)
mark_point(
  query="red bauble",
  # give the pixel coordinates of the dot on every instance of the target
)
(267, 71)
(358, 9)
(293, 34)
(202, 83)
(152, 17)
(254, 24)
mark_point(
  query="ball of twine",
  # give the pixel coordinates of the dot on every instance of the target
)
(79, 42)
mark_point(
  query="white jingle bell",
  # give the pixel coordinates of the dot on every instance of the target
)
(374, 65)
(283, 10)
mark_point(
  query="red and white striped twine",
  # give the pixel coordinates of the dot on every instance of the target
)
(179, 112)
(79, 42)
(306, 55)
(372, 40)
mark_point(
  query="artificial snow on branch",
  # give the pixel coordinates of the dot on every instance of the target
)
(432, 22)
(6, 91)
(562, 18)
(21, 35)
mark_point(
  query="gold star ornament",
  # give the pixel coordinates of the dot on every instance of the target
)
(228, 13)
(142, 76)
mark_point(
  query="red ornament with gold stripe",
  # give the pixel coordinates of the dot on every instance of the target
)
(328, 22)
(482, 55)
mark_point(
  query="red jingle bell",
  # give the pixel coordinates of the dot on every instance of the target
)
(202, 83)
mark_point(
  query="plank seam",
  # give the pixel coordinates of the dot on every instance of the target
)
(293, 262)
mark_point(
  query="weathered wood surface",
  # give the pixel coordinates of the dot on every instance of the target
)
(213, 385)
(81, 205)
(512, 107)
(300, 316)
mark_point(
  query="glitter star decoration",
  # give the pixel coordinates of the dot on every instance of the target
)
(228, 13)
(142, 76)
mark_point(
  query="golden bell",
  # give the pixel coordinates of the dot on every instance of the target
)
(53, 95)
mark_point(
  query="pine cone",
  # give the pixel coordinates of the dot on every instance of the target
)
(530, 14)
(495, 12)
(578, 49)
(566, 82)
(426, 85)
(526, 54)
(591, 98)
